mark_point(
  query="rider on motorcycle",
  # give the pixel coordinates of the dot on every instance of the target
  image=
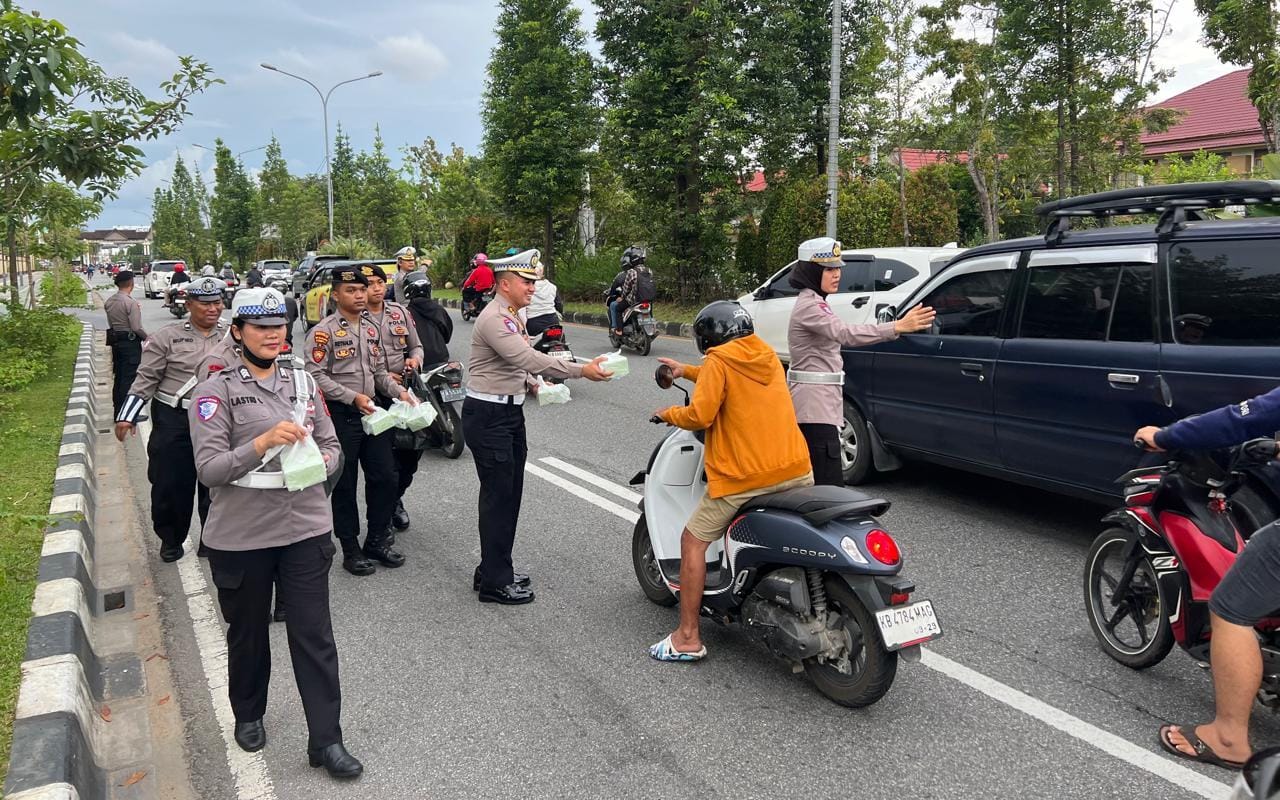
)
(636, 286)
(1248, 593)
(253, 279)
(545, 308)
(179, 276)
(740, 399)
(479, 281)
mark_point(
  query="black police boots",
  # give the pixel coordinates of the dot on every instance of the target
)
(380, 550)
(170, 553)
(336, 760)
(251, 736)
(400, 517)
(520, 580)
(354, 561)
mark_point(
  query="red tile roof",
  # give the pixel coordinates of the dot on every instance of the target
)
(1216, 116)
(914, 158)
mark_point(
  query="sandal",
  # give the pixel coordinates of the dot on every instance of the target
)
(666, 651)
(1204, 753)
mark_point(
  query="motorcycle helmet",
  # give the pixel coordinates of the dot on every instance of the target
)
(179, 267)
(207, 270)
(478, 259)
(512, 251)
(632, 256)
(720, 322)
(417, 284)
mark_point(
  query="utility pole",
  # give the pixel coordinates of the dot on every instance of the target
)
(833, 121)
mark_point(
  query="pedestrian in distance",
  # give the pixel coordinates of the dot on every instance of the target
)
(499, 379)
(815, 336)
(168, 372)
(125, 336)
(259, 532)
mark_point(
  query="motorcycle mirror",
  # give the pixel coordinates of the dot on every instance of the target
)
(664, 377)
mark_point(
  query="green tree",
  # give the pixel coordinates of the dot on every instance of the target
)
(455, 194)
(1202, 166)
(381, 202)
(1247, 32)
(346, 185)
(273, 188)
(232, 218)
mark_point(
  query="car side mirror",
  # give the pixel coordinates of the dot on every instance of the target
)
(761, 294)
(664, 376)
(887, 314)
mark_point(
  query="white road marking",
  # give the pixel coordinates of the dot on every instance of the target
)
(593, 479)
(1161, 767)
(248, 770)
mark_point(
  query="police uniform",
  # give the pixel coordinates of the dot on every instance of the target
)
(166, 376)
(397, 280)
(498, 380)
(125, 336)
(259, 533)
(346, 360)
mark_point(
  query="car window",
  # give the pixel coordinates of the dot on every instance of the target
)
(889, 273)
(1131, 318)
(163, 266)
(855, 276)
(970, 304)
(1069, 302)
(781, 286)
(1225, 293)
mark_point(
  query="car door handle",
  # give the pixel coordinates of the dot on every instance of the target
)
(1122, 378)
(859, 302)
(972, 368)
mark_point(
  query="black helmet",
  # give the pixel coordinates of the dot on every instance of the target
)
(416, 284)
(632, 256)
(720, 322)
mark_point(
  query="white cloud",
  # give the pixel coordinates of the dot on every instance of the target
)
(139, 59)
(410, 57)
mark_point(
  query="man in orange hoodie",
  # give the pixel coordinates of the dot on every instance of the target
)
(754, 447)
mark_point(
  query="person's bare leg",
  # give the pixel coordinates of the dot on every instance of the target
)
(1237, 676)
(693, 578)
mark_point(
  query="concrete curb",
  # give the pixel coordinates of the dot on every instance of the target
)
(680, 329)
(65, 744)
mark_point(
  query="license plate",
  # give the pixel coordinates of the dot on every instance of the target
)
(450, 394)
(563, 355)
(903, 626)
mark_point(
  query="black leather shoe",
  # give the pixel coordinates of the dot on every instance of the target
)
(512, 595)
(202, 551)
(251, 736)
(336, 760)
(400, 517)
(170, 553)
(384, 554)
(357, 564)
(520, 580)
(278, 615)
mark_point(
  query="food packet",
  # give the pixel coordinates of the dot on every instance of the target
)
(552, 393)
(380, 421)
(303, 465)
(616, 363)
(411, 417)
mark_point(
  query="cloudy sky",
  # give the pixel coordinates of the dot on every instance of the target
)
(432, 53)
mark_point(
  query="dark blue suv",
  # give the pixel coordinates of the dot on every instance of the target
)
(1049, 352)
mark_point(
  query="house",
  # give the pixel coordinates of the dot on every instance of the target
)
(1216, 117)
(110, 244)
(913, 158)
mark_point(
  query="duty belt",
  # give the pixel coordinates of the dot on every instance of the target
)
(826, 378)
(178, 399)
(504, 399)
(260, 480)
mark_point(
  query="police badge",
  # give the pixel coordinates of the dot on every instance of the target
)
(206, 407)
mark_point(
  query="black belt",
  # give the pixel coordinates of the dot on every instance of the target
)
(115, 337)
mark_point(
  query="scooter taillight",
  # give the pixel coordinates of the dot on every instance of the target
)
(898, 598)
(555, 333)
(883, 548)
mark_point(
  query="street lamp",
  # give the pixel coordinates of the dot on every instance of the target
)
(242, 152)
(324, 105)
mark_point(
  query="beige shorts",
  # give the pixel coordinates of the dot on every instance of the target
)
(712, 516)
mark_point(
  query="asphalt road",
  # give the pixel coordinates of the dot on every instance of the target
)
(446, 697)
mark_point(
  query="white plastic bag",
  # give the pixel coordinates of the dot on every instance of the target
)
(380, 421)
(303, 465)
(616, 363)
(552, 393)
(411, 417)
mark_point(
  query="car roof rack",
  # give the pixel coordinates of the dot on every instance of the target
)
(1176, 204)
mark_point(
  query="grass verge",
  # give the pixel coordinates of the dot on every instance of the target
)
(666, 312)
(31, 420)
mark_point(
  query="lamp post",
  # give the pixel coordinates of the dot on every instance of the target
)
(324, 105)
(242, 152)
(833, 121)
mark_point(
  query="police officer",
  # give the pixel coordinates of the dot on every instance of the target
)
(406, 264)
(401, 351)
(167, 374)
(125, 336)
(344, 355)
(499, 379)
(259, 532)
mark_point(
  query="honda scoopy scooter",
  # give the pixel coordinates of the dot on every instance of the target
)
(810, 573)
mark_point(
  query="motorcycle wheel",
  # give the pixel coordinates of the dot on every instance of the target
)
(1137, 633)
(451, 427)
(645, 344)
(646, 566)
(867, 671)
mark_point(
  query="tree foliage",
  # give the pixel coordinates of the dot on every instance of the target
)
(233, 207)
(1247, 32)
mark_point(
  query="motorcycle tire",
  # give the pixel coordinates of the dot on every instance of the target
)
(872, 667)
(645, 345)
(452, 430)
(646, 567)
(1146, 598)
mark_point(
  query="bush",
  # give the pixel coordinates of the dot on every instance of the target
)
(583, 277)
(28, 339)
(931, 207)
(353, 247)
(62, 288)
(794, 212)
(472, 237)
(750, 257)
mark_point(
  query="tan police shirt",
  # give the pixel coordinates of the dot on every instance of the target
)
(345, 358)
(399, 336)
(501, 358)
(227, 413)
(171, 357)
(124, 314)
(224, 355)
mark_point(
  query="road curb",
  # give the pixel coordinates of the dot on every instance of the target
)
(680, 329)
(66, 740)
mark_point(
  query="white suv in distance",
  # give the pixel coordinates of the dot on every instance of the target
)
(872, 279)
(156, 282)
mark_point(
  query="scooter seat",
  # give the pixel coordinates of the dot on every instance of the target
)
(820, 504)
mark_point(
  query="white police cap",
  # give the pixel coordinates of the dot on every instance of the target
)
(205, 288)
(823, 250)
(523, 264)
(406, 252)
(259, 306)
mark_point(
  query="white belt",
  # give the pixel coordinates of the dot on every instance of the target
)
(173, 400)
(827, 378)
(504, 399)
(261, 480)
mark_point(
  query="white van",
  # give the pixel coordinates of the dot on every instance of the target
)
(156, 281)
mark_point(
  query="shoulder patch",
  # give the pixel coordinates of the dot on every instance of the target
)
(207, 408)
(317, 354)
(322, 337)
(826, 309)
(511, 324)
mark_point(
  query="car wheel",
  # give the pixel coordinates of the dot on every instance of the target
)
(855, 446)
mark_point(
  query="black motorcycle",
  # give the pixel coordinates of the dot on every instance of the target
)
(474, 302)
(638, 327)
(441, 386)
(552, 341)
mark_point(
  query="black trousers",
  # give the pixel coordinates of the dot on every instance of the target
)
(171, 468)
(824, 453)
(373, 455)
(536, 325)
(406, 467)
(244, 579)
(125, 357)
(495, 433)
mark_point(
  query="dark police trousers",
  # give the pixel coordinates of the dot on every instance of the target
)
(171, 468)
(824, 453)
(406, 458)
(495, 434)
(126, 355)
(373, 455)
(244, 579)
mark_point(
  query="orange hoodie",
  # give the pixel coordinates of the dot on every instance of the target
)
(742, 400)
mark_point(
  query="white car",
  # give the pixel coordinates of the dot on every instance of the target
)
(156, 282)
(872, 280)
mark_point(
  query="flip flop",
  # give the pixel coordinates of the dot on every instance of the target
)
(666, 651)
(1204, 753)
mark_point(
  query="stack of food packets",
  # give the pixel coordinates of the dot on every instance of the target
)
(616, 363)
(413, 417)
(380, 421)
(552, 393)
(302, 465)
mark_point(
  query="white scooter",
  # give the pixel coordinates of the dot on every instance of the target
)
(810, 572)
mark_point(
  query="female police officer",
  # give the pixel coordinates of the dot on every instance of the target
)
(259, 533)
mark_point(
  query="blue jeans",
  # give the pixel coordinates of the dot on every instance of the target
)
(616, 308)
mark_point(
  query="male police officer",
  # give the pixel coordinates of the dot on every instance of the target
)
(345, 358)
(402, 351)
(493, 420)
(406, 264)
(167, 374)
(125, 335)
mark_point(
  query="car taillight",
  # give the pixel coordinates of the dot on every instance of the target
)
(883, 548)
